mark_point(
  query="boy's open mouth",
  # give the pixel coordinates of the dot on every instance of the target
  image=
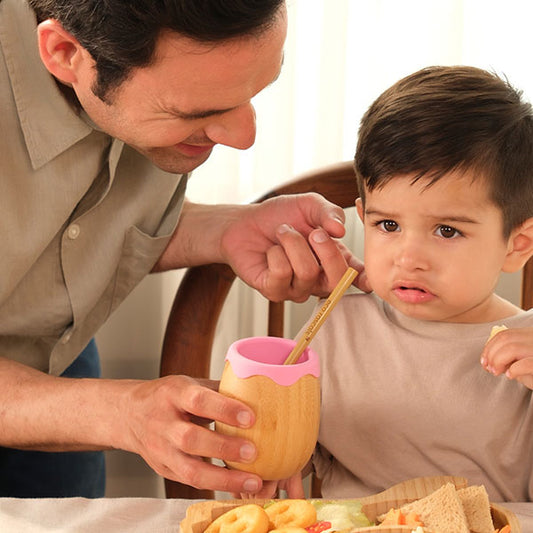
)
(412, 294)
(404, 288)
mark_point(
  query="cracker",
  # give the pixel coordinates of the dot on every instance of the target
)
(291, 513)
(249, 518)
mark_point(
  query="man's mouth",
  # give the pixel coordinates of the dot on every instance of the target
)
(193, 150)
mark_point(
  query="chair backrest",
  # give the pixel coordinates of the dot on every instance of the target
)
(200, 297)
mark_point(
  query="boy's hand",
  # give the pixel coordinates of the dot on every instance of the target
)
(510, 352)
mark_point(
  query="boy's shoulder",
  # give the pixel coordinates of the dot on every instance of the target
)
(523, 319)
(367, 308)
(354, 298)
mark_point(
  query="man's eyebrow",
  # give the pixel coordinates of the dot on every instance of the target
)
(195, 115)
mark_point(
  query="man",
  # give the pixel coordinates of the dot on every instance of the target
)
(106, 109)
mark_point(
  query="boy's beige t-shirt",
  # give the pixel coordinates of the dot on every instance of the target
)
(403, 398)
(83, 218)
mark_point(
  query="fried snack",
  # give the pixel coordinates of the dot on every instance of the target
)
(291, 513)
(250, 518)
(494, 330)
(290, 529)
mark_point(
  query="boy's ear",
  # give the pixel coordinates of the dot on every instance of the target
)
(60, 52)
(360, 209)
(520, 247)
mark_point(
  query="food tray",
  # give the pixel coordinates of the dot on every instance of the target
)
(200, 515)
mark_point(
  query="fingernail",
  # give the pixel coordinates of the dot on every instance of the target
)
(320, 236)
(483, 361)
(251, 485)
(284, 228)
(247, 452)
(244, 419)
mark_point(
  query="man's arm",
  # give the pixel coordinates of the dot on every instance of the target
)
(156, 419)
(197, 238)
(273, 246)
(35, 415)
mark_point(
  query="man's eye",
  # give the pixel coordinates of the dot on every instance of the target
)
(388, 225)
(448, 232)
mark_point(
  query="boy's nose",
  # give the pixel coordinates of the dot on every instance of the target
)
(236, 128)
(411, 255)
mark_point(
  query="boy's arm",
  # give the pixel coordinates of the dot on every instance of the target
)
(510, 352)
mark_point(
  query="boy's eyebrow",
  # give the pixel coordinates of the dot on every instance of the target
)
(453, 218)
(448, 218)
(195, 115)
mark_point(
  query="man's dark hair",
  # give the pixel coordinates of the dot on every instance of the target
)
(442, 119)
(121, 35)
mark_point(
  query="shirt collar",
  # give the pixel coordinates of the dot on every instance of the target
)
(49, 123)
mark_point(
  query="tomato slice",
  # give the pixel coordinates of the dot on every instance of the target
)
(318, 527)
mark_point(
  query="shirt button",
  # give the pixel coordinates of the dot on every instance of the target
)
(66, 336)
(73, 231)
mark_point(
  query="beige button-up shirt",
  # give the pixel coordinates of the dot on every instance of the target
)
(83, 218)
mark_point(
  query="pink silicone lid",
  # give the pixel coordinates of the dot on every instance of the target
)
(264, 356)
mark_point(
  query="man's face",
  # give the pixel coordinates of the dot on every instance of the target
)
(193, 97)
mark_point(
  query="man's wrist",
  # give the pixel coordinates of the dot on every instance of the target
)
(199, 236)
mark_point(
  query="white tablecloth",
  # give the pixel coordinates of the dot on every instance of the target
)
(124, 515)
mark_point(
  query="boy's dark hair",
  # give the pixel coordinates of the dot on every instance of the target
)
(441, 119)
(121, 34)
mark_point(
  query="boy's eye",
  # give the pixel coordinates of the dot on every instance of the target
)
(388, 225)
(447, 232)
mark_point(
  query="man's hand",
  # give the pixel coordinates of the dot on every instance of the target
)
(510, 351)
(161, 420)
(166, 422)
(288, 248)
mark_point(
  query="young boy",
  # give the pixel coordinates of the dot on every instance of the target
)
(444, 164)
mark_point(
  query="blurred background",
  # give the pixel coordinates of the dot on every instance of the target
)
(339, 56)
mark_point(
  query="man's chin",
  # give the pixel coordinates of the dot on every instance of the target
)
(172, 162)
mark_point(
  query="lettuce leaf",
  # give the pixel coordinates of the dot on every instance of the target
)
(343, 516)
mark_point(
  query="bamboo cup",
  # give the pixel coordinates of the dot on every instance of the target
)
(285, 399)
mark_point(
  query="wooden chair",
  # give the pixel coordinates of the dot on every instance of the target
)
(200, 297)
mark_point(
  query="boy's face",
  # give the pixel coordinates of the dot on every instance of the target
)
(435, 253)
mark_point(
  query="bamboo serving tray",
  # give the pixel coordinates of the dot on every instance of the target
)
(200, 515)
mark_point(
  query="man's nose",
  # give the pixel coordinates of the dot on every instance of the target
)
(236, 128)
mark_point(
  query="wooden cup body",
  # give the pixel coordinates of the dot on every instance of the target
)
(287, 420)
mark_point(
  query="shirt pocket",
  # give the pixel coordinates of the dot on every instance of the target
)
(139, 254)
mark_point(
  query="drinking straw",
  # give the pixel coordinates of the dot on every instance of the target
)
(322, 314)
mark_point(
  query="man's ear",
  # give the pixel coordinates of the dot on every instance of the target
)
(520, 247)
(360, 209)
(60, 52)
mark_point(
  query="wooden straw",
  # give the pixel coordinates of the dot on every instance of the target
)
(322, 314)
